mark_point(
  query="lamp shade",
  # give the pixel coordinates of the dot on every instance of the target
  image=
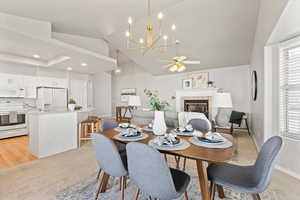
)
(223, 100)
(134, 101)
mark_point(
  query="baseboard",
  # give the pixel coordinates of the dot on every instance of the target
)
(288, 172)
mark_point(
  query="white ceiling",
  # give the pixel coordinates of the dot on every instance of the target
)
(218, 33)
(23, 46)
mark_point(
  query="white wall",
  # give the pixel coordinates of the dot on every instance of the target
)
(102, 94)
(287, 27)
(235, 80)
(269, 13)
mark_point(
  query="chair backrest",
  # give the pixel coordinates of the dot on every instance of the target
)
(149, 171)
(108, 156)
(200, 124)
(236, 117)
(108, 124)
(265, 162)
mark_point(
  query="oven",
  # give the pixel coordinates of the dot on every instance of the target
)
(12, 124)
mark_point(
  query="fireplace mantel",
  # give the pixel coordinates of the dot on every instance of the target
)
(201, 92)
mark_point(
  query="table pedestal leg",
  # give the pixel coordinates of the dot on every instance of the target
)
(203, 180)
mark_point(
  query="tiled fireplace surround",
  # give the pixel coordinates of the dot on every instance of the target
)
(198, 96)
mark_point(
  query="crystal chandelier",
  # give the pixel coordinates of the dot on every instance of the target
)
(153, 39)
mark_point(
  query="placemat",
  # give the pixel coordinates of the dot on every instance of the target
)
(224, 145)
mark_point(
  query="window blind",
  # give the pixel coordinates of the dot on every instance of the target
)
(289, 98)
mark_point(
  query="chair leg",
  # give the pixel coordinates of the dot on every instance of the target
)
(184, 164)
(122, 187)
(213, 191)
(256, 197)
(221, 192)
(177, 160)
(246, 121)
(98, 190)
(186, 197)
(98, 174)
(137, 194)
(166, 158)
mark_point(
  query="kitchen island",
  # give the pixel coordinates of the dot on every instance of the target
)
(54, 132)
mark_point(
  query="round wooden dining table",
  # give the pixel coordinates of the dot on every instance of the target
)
(197, 153)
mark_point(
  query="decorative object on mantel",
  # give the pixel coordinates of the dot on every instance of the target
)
(159, 106)
(224, 103)
(161, 41)
(71, 104)
(200, 80)
(187, 84)
(210, 84)
(126, 92)
(254, 85)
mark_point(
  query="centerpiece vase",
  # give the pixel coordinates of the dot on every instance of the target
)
(159, 124)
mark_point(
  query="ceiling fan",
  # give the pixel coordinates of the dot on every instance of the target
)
(177, 63)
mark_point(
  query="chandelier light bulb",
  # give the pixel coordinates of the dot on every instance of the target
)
(173, 27)
(129, 20)
(127, 34)
(118, 70)
(165, 37)
(141, 41)
(160, 15)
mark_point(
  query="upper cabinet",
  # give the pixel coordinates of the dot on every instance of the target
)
(30, 85)
(53, 82)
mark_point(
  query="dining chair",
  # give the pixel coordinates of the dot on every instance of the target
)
(252, 179)
(200, 125)
(110, 160)
(149, 171)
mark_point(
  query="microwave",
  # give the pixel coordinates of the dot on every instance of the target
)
(12, 93)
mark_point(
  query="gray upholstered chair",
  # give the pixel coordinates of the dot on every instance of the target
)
(252, 179)
(149, 171)
(108, 124)
(110, 160)
(200, 125)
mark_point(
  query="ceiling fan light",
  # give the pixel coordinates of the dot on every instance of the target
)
(173, 68)
(181, 69)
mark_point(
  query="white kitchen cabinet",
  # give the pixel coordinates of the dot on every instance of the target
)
(30, 85)
(78, 92)
(53, 82)
(11, 81)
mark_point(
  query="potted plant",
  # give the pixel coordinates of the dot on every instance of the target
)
(71, 104)
(159, 107)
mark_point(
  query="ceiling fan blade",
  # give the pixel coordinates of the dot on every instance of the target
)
(191, 62)
(169, 65)
(164, 60)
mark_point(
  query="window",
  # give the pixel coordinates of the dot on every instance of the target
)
(289, 99)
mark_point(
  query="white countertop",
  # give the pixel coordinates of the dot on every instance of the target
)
(37, 112)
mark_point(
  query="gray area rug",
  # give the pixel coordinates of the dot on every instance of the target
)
(85, 190)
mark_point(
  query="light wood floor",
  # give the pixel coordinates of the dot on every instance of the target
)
(14, 151)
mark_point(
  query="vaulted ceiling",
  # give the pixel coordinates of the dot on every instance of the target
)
(218, 33)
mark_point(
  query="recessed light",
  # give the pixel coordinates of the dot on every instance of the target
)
(36, 56)
(83, 64)
(69, 68)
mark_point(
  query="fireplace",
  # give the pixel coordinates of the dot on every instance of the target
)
(197, 104)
